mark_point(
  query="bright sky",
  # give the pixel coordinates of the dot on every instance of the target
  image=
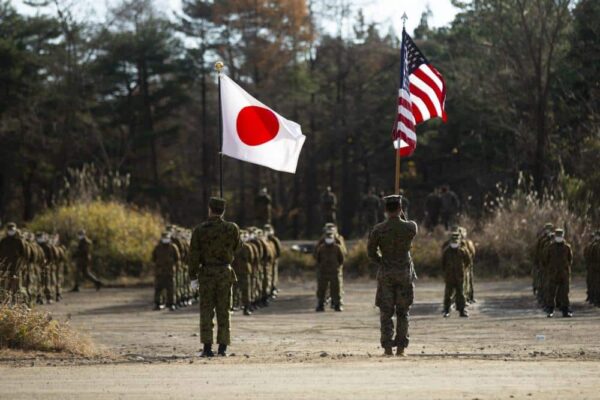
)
(386, 12)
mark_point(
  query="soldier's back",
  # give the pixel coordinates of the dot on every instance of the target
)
(394, 238)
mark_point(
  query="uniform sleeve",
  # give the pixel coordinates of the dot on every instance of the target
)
(340, 256)
(373, 246)
(176, 254)
(570, 255)
(237, 240)
(195, 255)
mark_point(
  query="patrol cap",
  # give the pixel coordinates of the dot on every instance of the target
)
(330, 234)
(39, 233)
(170, 227)
(11, 225)
(81, 232)
(268, 227)
(455, 236)
(166, 234)
(243, 232)
(217, 204)
(548, 225)
(559, 232)
(392, 199)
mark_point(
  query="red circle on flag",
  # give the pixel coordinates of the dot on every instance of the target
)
(256, 125)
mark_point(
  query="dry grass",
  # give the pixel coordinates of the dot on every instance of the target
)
(26, 329)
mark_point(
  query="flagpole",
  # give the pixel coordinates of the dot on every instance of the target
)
(218, 68)
(398, 160)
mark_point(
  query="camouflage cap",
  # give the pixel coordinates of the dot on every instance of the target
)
(217, 204)
(559, 232)
(330, 234)
(11, 225)
(166, 234)
(548, 225)
(268, 227)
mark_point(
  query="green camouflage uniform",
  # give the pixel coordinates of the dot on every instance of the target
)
(12, 262)
(276, 245)
(243, 270)
(166, 257)
(213, 247)
(389, 247)
(558, 258)
(591, 256)
(455, 263)
(83, 262)
(330, 263)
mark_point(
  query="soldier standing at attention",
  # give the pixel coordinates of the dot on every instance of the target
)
(558, 259)
(83, 262)
(166, 257)
(389, 247)
(12, 259)
(455, 264)
(243, 270)
(263, 206)
(213, 247)
(330, 264)
(329, 206)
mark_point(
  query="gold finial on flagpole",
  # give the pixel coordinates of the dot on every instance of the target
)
(219, 66)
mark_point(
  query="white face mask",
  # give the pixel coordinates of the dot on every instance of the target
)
(165, 240)
(11, 232)
(252, 236)
(559, 239)
(329, 240)
(454, 245)
(41, 240)
(81, 237)
(244, 238)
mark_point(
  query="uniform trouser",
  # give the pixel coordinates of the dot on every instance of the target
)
(275, 275)
(254, 283)
(48, 280)
(216, 298)
(16, 291)
(259, 281)
(58, 279)
(557, 293)
(332, 280)
(267, 280)
(395, 296)
(165, 283)
(31, 283)
(454, 287)
(244, 287)
(83, 272)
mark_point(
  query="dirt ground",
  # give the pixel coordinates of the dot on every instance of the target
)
(507, 349)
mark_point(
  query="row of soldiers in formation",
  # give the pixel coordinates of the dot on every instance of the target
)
(255, 266)
(553, 259)
(33, 266)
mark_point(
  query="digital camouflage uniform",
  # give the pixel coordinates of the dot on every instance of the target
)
(558, 259)
(12, 261)
(330, 263)
(389, 247)
(213, 247)
(166, 258)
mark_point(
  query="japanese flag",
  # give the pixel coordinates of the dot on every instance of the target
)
(254, 133)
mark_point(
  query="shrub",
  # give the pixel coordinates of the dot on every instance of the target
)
(25, 329)
(123, 236)
(295, 263)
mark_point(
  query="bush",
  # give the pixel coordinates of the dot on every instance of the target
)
(294, 263)
(22, 328)
(123, 236)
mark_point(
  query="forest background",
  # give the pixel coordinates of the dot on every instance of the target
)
(135, 95)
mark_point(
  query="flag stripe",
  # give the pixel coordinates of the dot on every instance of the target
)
(427, 95)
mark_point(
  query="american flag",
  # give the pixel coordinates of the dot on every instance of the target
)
(422, 95)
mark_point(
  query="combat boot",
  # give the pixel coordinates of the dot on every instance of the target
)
(338, 308)
(247, 311)
(173, 307)
(464, 314)
(156, 307)
(400, 352)
(549, 312)
(567, 313)
(388, 351)
(58, 297)
(446, 313)
(222, 350)
(98, 285)
(320, 307)
(207, 351)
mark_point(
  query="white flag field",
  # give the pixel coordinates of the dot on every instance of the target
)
(254, 133)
